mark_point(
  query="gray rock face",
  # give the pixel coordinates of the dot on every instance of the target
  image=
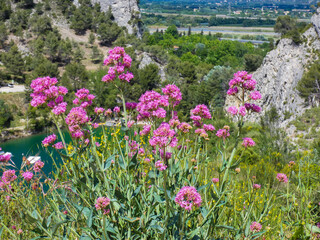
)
(281, 71)
(145, 59)
(126, 13)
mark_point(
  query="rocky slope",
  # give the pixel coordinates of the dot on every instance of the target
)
(125, 12)
(280, 72)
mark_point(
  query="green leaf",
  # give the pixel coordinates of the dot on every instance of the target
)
(57, 225)
(108, 162)
(313, 229)
(204, 186)
(136, 192)
(89, 220)
(158, 228)
(130, 219)
(85, 237)
(226, 227)
(121, 162)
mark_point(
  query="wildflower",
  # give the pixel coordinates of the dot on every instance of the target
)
(188, 197)
(102, 203)
(120, 62)
(97, 144)
(255, 227)
(8, 198)
(174, 122)
(19, 232)
(116, 109)
(233, 91)
(242, 111)
(256, 186)
(198, 113)
(130, 124)
(255, 95)
(98, 111)
(9, 176)
(248, 142)
(49, 140)
(131, 106)
(27, 176)
(201, 132)
(215, 180)
(5, 157)
(291, 163)
(108, 112)
(60, 108)
(38, 166)
(223, 133)
(76, 117)
(163, 136)
(282, 177)
(95, 125)
(237, 170)
(252, 107)
(233, 110)
(151, 104)
(14, 227)
(65, 212)
(184, 127)
(208, 127)
(173, 94)
(160, 166)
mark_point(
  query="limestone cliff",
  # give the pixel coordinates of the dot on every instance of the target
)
(125, 12)
(282, 69)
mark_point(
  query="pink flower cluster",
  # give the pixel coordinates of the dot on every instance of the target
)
(98, 110)
(160, 165)
(215, 180)
(8, 176)
(199, 113)
(119, 63)
(102, 203)
(151, 104)
(38, 166)
(27, 176)
(83, 98)
(256, 186)
(163, 136)
(282, 177)
(248, 142)
(223, 133)
(76, 118)
(49, 140)
(5, 157)
(146, 130)
(255, 227)
(244, 82)
(184, 127)
(46, 91)
(188, 197)
(131, 106)
(173, 94)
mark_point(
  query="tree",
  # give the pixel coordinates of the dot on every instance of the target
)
(252, 62)
(51, 45)
(65, 51)
(91, 38)
(5, 10)
(78, 55)
(189, 30)
(40, 24)
(309, 85)
(284, 24)
(96, 55)
(13, 61)
(5, 115)
(75, 76)
(108, 33)
(149, 77)
(43, 68)
(3, 35)
(173, 31)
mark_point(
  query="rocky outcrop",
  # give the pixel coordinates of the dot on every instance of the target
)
(125, 12)
(281, 71)
(146, 59)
